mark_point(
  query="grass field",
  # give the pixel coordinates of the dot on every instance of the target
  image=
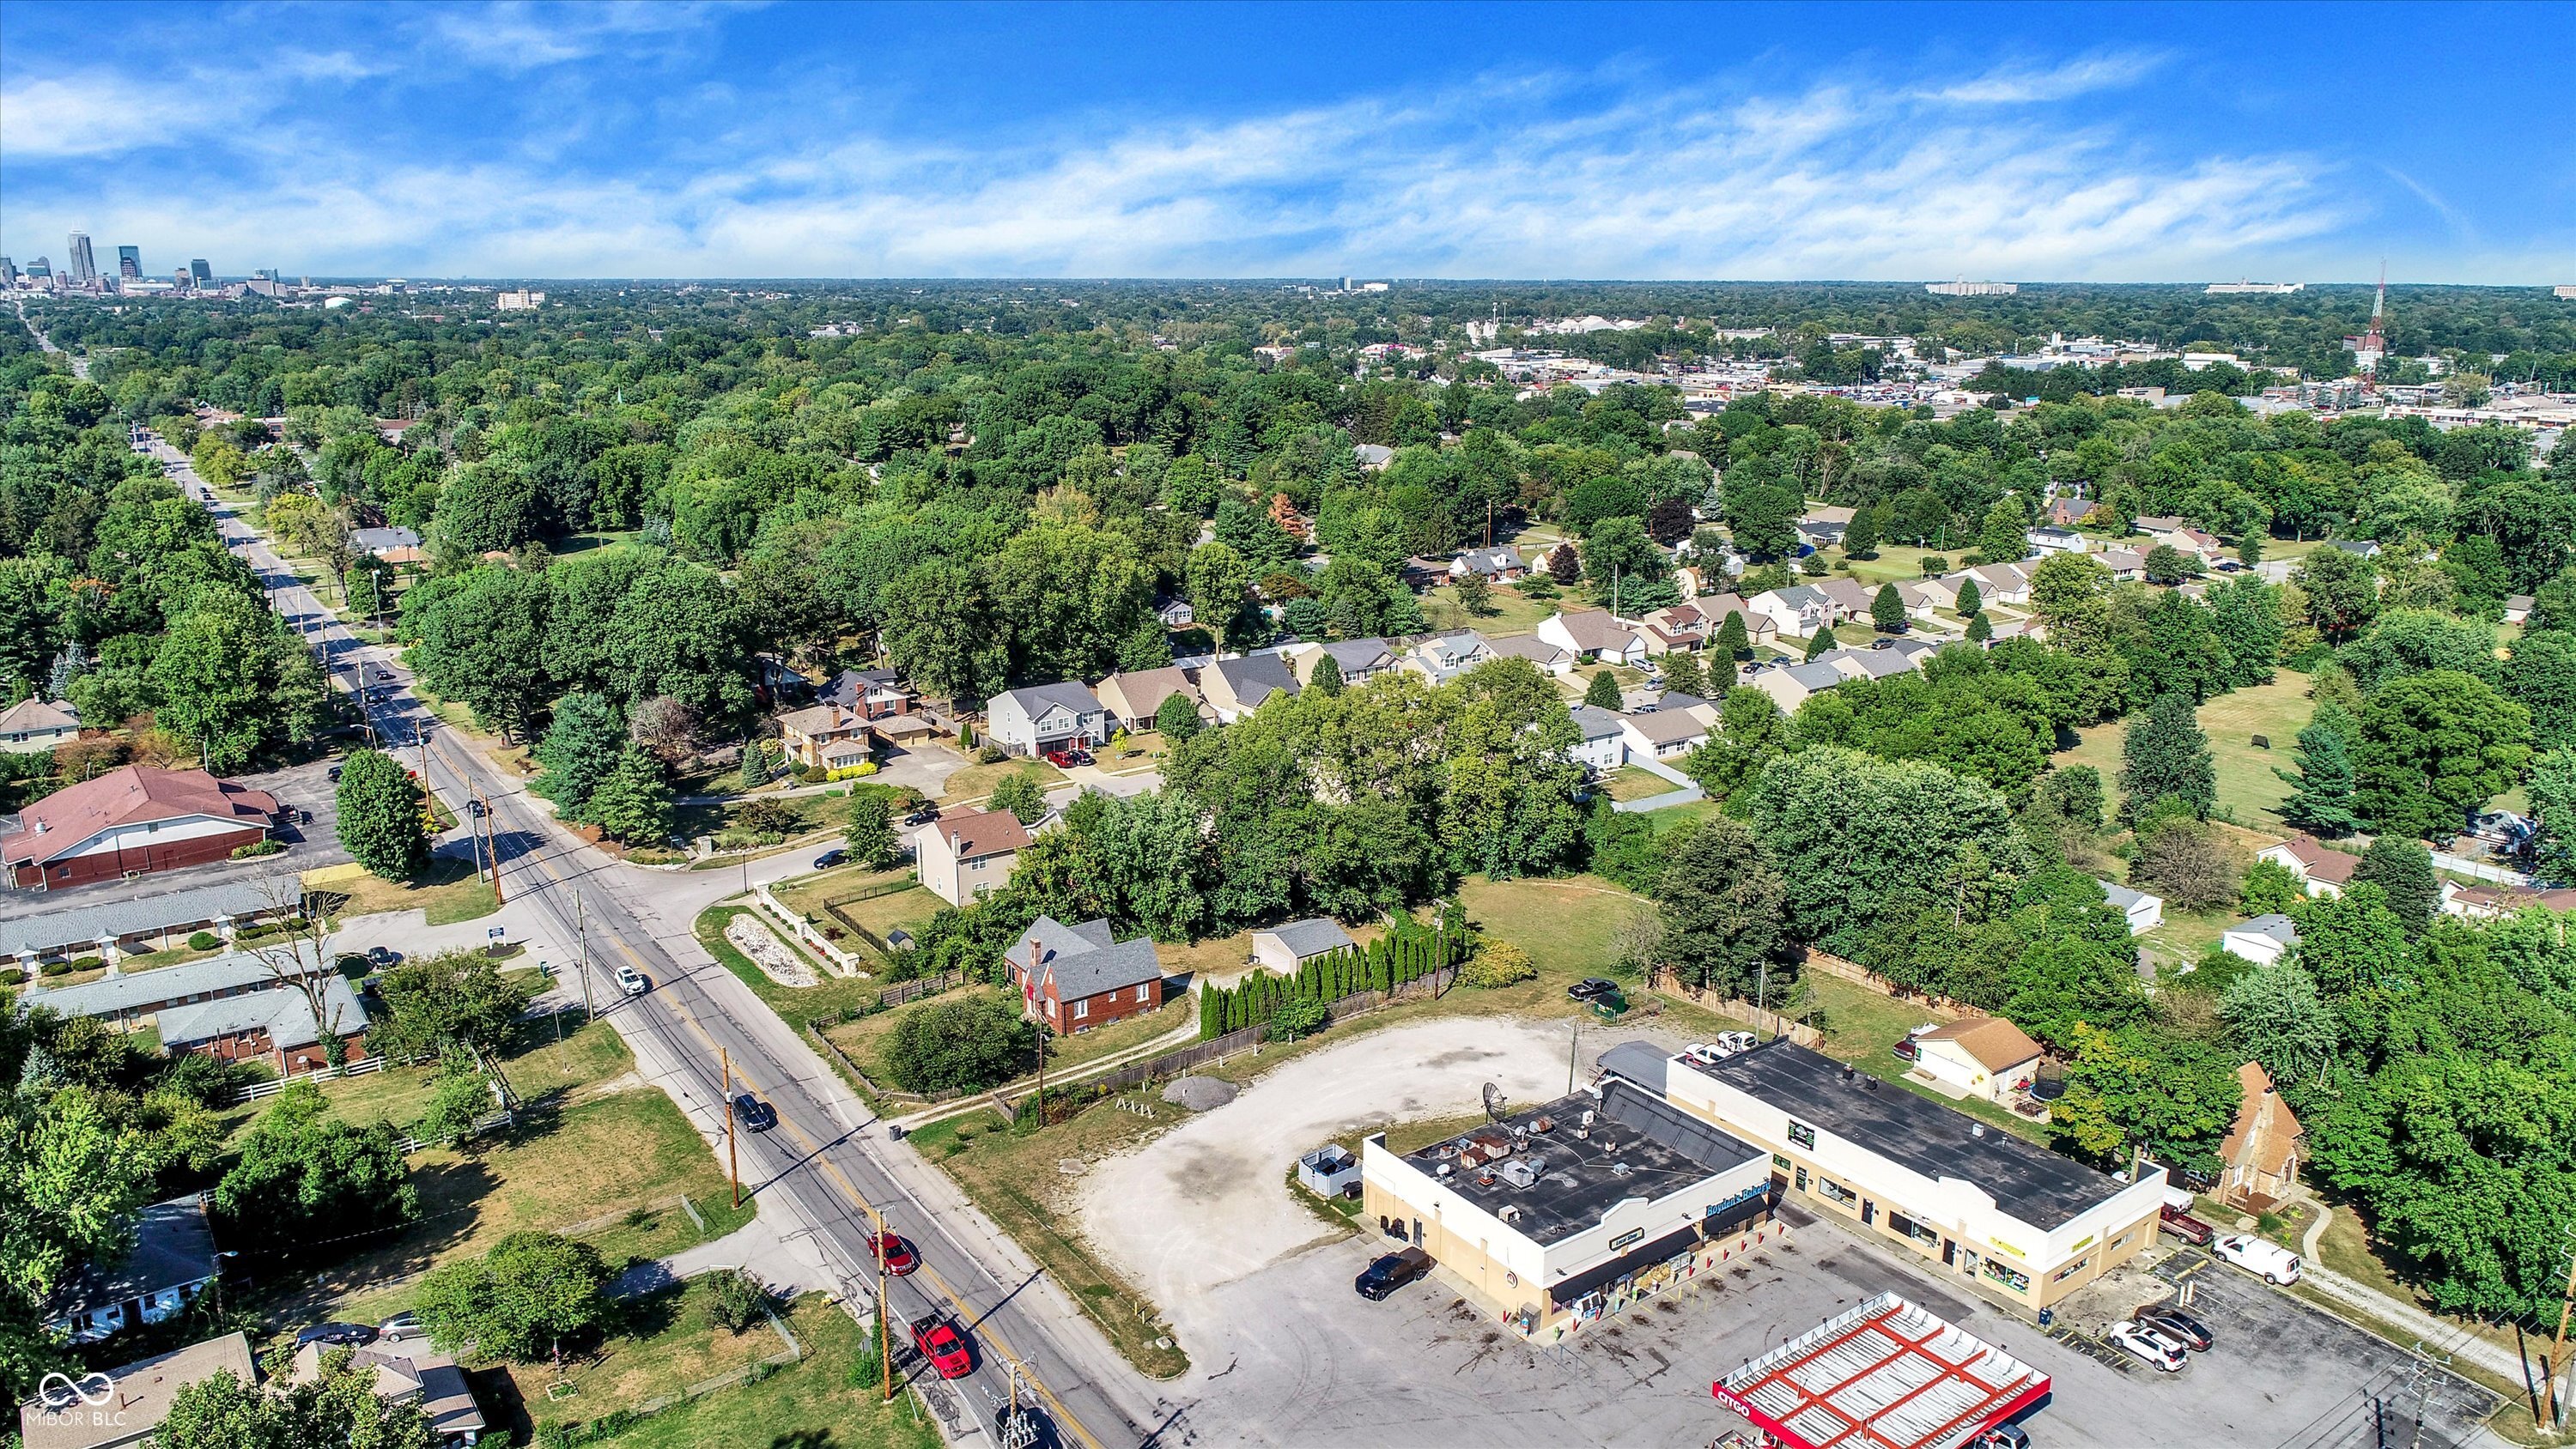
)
(795, 1005)
(977, 781)
(810, 1404)
(448, 892)
(2249, 793)
(1631, 783)
(1896, 564)
(864, 1039)
(1568, 926)
(1510, 612)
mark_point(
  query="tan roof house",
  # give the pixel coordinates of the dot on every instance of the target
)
(2263, 1148)
(141, 1394)
(969, 854)
(33, 725)
(1134, 698)
(830, 736)
(1977, 1056)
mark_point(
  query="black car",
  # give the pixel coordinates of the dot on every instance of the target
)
(333, 774)
(830, 858)
(352, 1334)
(2179, 1326)
(754, 1114)
(1592, 988)
(1392, 1272)
(2002, 1436)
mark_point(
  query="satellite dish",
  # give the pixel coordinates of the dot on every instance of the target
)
(1494, 1102)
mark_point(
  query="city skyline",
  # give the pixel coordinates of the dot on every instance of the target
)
(1759, 143)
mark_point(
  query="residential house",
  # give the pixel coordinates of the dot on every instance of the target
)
(2066, 511)
(2204, 546)
(2490, 902)
(826, 736)
(2262, 1148)
(1922, 597)
(2046, 541)
(1791, 685)
(1372, 456)
(1682, 628)
(2321, 871)
(1604, 743)
(967, 855)
(1851, 597)
(2127, 565)
(1758, 626)
(1673, 701)
(874, 695)
(1829, 513)
(1593, 634)
(1798, 611)
(134, 925)
(1551, 659)
(1661, 734)
(1694, 582)
(2517, 610)
(427, 1377)
(1038, 718)
(1361, 660)
(1501, 563)
(1175, 613)
(393, 545)
(172, 1262)
(33, 726)
(1985, 1057)
(2144, 912)
(2358, 547)
(1284, 948)
(1236, 687)
(2001, 583)
(1916, 651)
(1134, 698)
(1075, 978)
(2262, 940)
(1866, 663)
(144, 1392)
(275, 1027)
(1821, 532)
(129, 821)
(2163, 530)
(1443, 657)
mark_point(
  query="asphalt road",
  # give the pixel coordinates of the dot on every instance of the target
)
(827, 1164)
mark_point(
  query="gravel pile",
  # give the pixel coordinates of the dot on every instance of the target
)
(1199, 1093)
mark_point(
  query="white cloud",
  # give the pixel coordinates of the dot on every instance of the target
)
(2016, 85)
(517, 35)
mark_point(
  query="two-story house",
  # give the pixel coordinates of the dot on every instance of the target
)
(967, 855)
(1038, 718)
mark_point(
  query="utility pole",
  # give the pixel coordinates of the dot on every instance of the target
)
(2558, 1345)
(733, 1159)
(581, 935)
(483, 807)
(1573, 1054)
(1042, 1029)
(885, 1334)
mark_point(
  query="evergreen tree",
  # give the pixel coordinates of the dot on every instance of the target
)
(1971, 599)
(1980, 628)
(2321, 788)
(1327, 677)
(1860, 536)
(1731, 639)
(634, 803)
(2167, 757)
(1682, 673)
(1603, 691)
(1887, 611)
(2404, 869)
(581, 747)
(1820, 643)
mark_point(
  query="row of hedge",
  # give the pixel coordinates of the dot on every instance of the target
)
(1409, 954)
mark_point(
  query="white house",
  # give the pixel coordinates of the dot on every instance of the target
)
(1604, 746)
(1797, 611)
(1287, 946)
(1978, 1056)
(1041, 717)
(2262, 940)
(2001, 583)
(1502, 562)
(2517, 610)
(1444, 657)
(2321, 871)
(1594, 634)
(32, 726)
(2145, 912)
(1360, 660)
(2046, 541)
(1662, 734)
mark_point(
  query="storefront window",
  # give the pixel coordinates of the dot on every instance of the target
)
(1907, 1227)
(2070, 1270)
(2013, 1278)
(1836, 1191)
(1802, 1179)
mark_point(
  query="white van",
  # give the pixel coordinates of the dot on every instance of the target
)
(2269, 1261)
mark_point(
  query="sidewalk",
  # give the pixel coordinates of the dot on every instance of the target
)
(754, 1246)
(2438, 1335)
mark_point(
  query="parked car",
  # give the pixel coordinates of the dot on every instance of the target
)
(941, 1343)
(1067, 758)
(922, 816)
(381, 957)
(899, 1256)
(2179, 1326)
(1701, 1054)
(2132, 1338)
(1392, 1272)
(2184, 1226)
(830, 858)
(1732, 1042)
(332, 774)
(352, 1334)
(1905, 1050)
(632, 982)
(1592, 988)
(2271, 1262)
(754, 1114)
(2001, 1436)
(400, 1327)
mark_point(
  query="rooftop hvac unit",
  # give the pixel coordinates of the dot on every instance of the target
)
(1521, 1171)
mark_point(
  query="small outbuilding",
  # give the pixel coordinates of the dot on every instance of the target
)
(1328, 1171)
(1286, 947)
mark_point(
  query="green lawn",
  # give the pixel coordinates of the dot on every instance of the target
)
(448, 892)
(1631, 783)
(795, 1005)
(1508, 611)
(1896, 564)
(864, 1039)
(2249, 793)
(977, 781)
(810, 1404)
(1568, 926)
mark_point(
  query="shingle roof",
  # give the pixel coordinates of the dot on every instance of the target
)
(1359, 654)
(82, 925)
(1311, 937)
(1594, 630)
(1144, 690)
(1529, 647)
(132, 795)
(2320, 861)
(2122, 898)
(1070, 694)
(1665, 726)
(1255, 677)
(173, 1247)
(1993, 1041)
(1596, 724)
(281, 1011)
(382, 540)
(144, 1391)
(2277, 926)
(1816, 675)
(36, 716)
(139, 992)
(972, 833)
(1084, 960)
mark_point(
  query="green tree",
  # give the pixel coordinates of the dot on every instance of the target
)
(2552, 789)
(1719, 900)
(2541, 677)
(1219, 581)
(2321, 785)
(1020, 793)
(1603, 692)
(1326, 679)
(1475, 593)
(71, 1185)
(581, 748)
(1298, 1017)
(1176, 719)
(964, 1044)
(2172, 1094)
(216, 678)
(2270, 887)
(380, 816)
(633, 804)
(2342, 591)
(1623, 564)
(2167, 757)
(1853, 837)
(1682, 674)
(338, 1406)
(304, 1176)
(1732, 641)
(869, 833)
(2404, 870)
(456, 1103)
(1971, 599)
(1980, 629)
(2434, 746)
(2002, 537)
(1820, 643)
(1887, 611)
(482, 642)
(1860, 537)
(2274, 1015)
(518, 1301)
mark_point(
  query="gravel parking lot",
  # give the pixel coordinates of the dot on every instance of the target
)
(1285, 1353)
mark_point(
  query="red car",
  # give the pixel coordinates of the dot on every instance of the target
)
(941, 1343)
(1068, 758)
(898, 1254)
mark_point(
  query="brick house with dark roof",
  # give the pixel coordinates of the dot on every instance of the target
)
(131, 821)
(1075, 978)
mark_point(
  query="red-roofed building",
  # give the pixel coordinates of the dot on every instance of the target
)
(1886, 1375)
(2321, 871)
(969, 854)
(131, 821)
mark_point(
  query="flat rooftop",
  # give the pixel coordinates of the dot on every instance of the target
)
(2032, 1183)
(1638, 1145)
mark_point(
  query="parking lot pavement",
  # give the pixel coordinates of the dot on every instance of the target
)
(306, 787)
(1291, 1356)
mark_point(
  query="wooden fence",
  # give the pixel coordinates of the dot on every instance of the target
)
(1859, 975)
(1736, 1008)
(919, 987)
(1181, 1059)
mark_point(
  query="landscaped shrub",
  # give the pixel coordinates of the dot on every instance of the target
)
(256, 848)
(204, 941)
(736, 1300)
(1500, 963)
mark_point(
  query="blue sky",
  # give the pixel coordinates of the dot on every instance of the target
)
(2031, 142)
